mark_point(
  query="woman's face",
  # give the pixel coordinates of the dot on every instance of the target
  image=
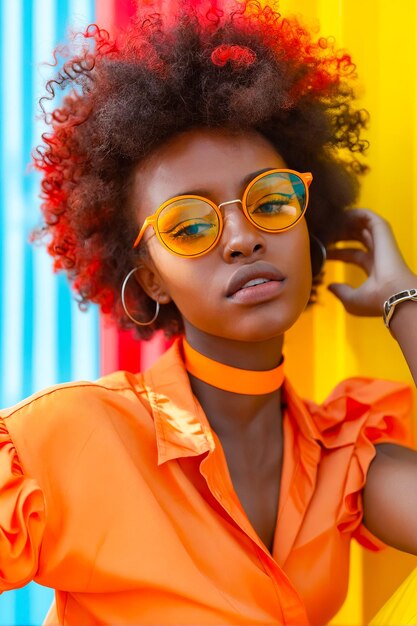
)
(214, 164)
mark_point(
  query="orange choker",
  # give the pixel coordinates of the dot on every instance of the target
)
(228, 378)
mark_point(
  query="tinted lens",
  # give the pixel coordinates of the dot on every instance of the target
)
(276, 201)
(188, 226)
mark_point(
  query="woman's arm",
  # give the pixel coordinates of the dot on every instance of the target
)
(390, 493)
(390, 497)
(404, 328)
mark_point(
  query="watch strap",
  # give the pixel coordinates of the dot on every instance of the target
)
(391, 303)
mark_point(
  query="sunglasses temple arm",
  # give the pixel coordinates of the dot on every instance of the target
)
(145, 225)
(308, 178)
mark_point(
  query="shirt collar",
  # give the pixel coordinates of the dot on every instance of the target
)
(299, 409)
(182, 428)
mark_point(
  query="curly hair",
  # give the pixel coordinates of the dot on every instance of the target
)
(126, 96)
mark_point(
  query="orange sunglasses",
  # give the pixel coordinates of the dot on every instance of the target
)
(191, 226)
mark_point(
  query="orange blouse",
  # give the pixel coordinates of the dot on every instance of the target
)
(117, 495)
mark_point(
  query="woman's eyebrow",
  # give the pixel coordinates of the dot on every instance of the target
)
(244, 182)
(250, 177)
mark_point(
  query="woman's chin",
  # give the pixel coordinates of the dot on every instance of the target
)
(245, 333)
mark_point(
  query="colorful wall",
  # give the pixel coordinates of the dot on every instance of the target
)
(45, 339)
(382, 38)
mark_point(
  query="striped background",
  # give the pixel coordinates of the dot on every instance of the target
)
(57, 342)
(44, 339)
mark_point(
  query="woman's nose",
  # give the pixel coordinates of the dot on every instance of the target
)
(240, 238)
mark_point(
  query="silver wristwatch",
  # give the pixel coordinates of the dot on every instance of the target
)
(391, 303)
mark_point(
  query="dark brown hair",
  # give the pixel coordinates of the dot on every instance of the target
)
(164, 76)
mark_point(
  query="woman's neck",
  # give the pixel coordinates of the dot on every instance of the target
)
(238, 415)
(248, 355)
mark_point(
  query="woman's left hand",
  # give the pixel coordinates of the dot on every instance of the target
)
(380, 258)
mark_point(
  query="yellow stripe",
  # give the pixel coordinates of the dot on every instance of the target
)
(328, 345)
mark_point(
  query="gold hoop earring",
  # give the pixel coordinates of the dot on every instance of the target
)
(126, 280)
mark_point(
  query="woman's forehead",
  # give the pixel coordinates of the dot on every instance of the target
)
(203, 161)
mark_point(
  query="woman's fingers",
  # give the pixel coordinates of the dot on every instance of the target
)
(354, 301)
(348, 297)
(355, 220)
(367, 239)
(356, 256)
(358, 226)
(342, 291)
(375, 234)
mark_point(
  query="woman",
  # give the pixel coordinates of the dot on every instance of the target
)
(188, 179)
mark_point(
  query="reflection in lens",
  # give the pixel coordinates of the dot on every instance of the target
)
(276, 201)
(188, 226)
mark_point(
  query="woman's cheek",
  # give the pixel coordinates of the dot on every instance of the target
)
(187, 281)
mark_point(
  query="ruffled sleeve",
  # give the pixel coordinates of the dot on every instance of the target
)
(22, 518)
(358, 414)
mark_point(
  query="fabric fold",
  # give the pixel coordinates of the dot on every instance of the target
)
(22, 518)
(359, 414)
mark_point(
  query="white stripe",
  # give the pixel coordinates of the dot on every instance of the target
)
(81, 14)
(84, 346)
(45, 357)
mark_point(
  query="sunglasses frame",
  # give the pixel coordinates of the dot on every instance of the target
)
(152, 220)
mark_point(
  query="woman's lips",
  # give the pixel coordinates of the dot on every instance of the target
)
(258, 293)
(260, 270)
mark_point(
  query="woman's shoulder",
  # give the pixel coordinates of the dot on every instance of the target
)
(338, 438)
(64, 415)
(59, 448)
(61, 397)
(368, 391)
(357, 404)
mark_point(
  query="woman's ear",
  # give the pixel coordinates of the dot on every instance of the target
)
(150, 280)
(318, 255)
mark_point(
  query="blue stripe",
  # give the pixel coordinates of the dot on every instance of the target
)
(61, 19)
(22, 604)
(63, 330)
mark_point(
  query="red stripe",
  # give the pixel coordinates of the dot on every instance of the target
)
(118, 349)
